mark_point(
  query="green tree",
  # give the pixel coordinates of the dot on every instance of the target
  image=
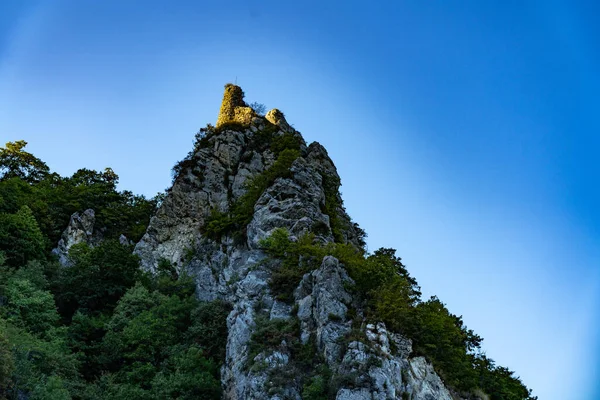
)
(97, 279)
(85, 335)
(51, 388)
(381, 268)
(7, 364)
(444, 339)
(20, 237)
(209, 328)
(143, 327)
(17, 163)
(30, 308)
(188, 376)
(36, 359)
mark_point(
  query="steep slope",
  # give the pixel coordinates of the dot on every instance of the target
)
(247, 179)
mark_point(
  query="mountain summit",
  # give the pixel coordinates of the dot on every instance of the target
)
(247, 280)
(255, 216)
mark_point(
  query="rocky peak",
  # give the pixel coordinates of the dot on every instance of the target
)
(241, 183)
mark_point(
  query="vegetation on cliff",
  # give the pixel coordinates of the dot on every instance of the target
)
(386, 292)
(103, 329)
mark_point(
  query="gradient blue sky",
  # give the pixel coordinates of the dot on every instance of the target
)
(466, 135)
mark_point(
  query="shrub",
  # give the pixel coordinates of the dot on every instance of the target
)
(315, 389)
(393, 296)
(269, 334)
(209, 328)
(333, 204)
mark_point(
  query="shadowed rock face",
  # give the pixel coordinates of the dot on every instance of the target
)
(236, 271)
(79, 230)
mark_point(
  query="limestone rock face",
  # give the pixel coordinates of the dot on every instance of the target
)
(79, 230)
(322, 306)
(375, 363)
(294, 204)
(276, 117)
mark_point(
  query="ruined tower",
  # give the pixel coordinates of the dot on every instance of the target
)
(233, 107)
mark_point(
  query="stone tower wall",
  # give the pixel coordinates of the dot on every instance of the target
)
(233, 107)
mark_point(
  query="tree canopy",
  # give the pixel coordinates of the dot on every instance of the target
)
(17, 163)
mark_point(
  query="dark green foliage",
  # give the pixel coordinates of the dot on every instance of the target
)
(20, 237)
(30, 307)
(143, 327)
(315, 389)
(261, 140)
(42, 366)
(499, 382)
(217, 224)
(85, 337)
(287, 141)
(116, 339)
(97, 279)
(7, 363)
(269, 334)
(333, 204)
(128, 215)
(54, 199)
(393, 296)
(209, 328)
(188, 376)
(381, 268)
(231, 126)
(443, 338)
(269, 138)
(151, 346)
(297, 258)
(168, 280)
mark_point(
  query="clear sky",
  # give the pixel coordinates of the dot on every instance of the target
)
(466, 135)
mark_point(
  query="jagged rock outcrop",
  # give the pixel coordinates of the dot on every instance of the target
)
(374, 363)
(322, 305)
(79, 230)
(276, 117)
(294, 203)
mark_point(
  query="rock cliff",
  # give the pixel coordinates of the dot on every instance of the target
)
(80, 230)
(227, 165)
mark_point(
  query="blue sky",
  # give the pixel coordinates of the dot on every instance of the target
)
(466, 135)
